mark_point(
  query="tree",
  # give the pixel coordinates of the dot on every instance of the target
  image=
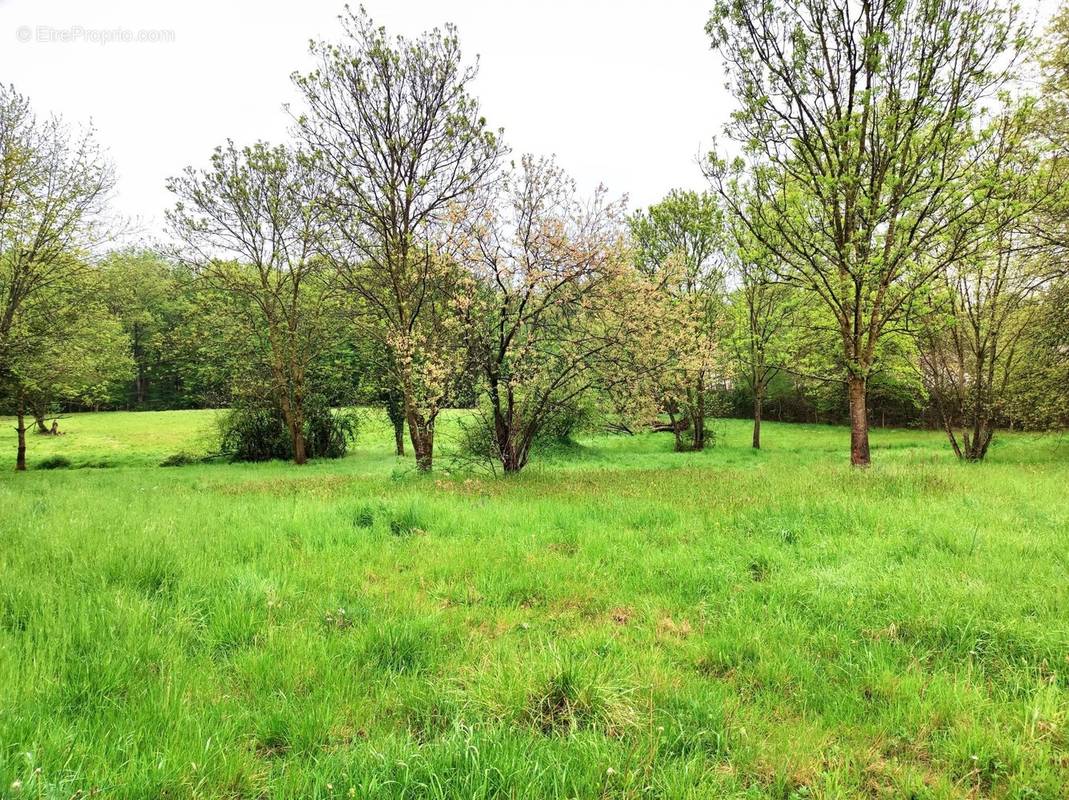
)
(1036, 395)
(152, 298)
(53, 188)
(679, 245)
(857, 126)
(549, 306)
(1051, 121)
(250, 224)
(73, 355)
(763, 310)
(984, 304)
(407, 152)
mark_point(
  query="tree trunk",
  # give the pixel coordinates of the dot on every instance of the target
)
(677, 429)
(292, 414)
(421, 433)
(141, 380)
(300, 451)
(698, 416)
(39, 422)
(514, 458)
(20, 459)
(859, 422)
(977, 444)
(758, 408)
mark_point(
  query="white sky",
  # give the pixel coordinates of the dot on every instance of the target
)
(624, 92)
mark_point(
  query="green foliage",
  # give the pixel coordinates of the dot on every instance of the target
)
(476, 444)
(257, 431)
(684, 224)
(178, 333)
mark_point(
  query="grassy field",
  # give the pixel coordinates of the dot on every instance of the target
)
(621, 621)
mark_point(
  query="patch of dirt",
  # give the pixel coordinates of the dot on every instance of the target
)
(669, 627)
(621, 615)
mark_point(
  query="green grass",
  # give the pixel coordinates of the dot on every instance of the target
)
(620, 621)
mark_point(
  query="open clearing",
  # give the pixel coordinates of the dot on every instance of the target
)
(619, 621)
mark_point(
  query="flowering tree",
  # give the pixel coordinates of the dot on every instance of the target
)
(550, 303)
(407, 152)
(679, 247)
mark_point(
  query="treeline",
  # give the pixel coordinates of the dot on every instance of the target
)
(883, 245)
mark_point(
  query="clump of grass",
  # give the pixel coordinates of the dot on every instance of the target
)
(54, 462)
(407, 521)
(400, 646)
(364, 516)
(760, 568)
(274, 736)
(578, 695)
(692, 727)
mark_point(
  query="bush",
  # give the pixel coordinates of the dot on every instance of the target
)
(54, 462)
(327, 432)
(566, 423)
(255, 431)
(477, 446)
(179, 460)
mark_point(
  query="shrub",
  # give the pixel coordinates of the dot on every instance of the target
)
(252, 432)
(327, 432)
(54, 462)
(256, 431)
(477, 445)
(179, 460)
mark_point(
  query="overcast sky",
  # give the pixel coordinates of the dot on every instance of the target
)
(624, 92)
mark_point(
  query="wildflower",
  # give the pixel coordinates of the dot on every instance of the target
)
(16, 786)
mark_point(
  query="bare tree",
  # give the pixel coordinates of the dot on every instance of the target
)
(250, 224)
(407, 150)
(983, 305)
(968, 355)
(54, 184)
(857, 124)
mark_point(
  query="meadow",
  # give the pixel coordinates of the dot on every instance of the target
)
(618, 621)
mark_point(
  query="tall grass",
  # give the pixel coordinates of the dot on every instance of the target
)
(621, 621)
